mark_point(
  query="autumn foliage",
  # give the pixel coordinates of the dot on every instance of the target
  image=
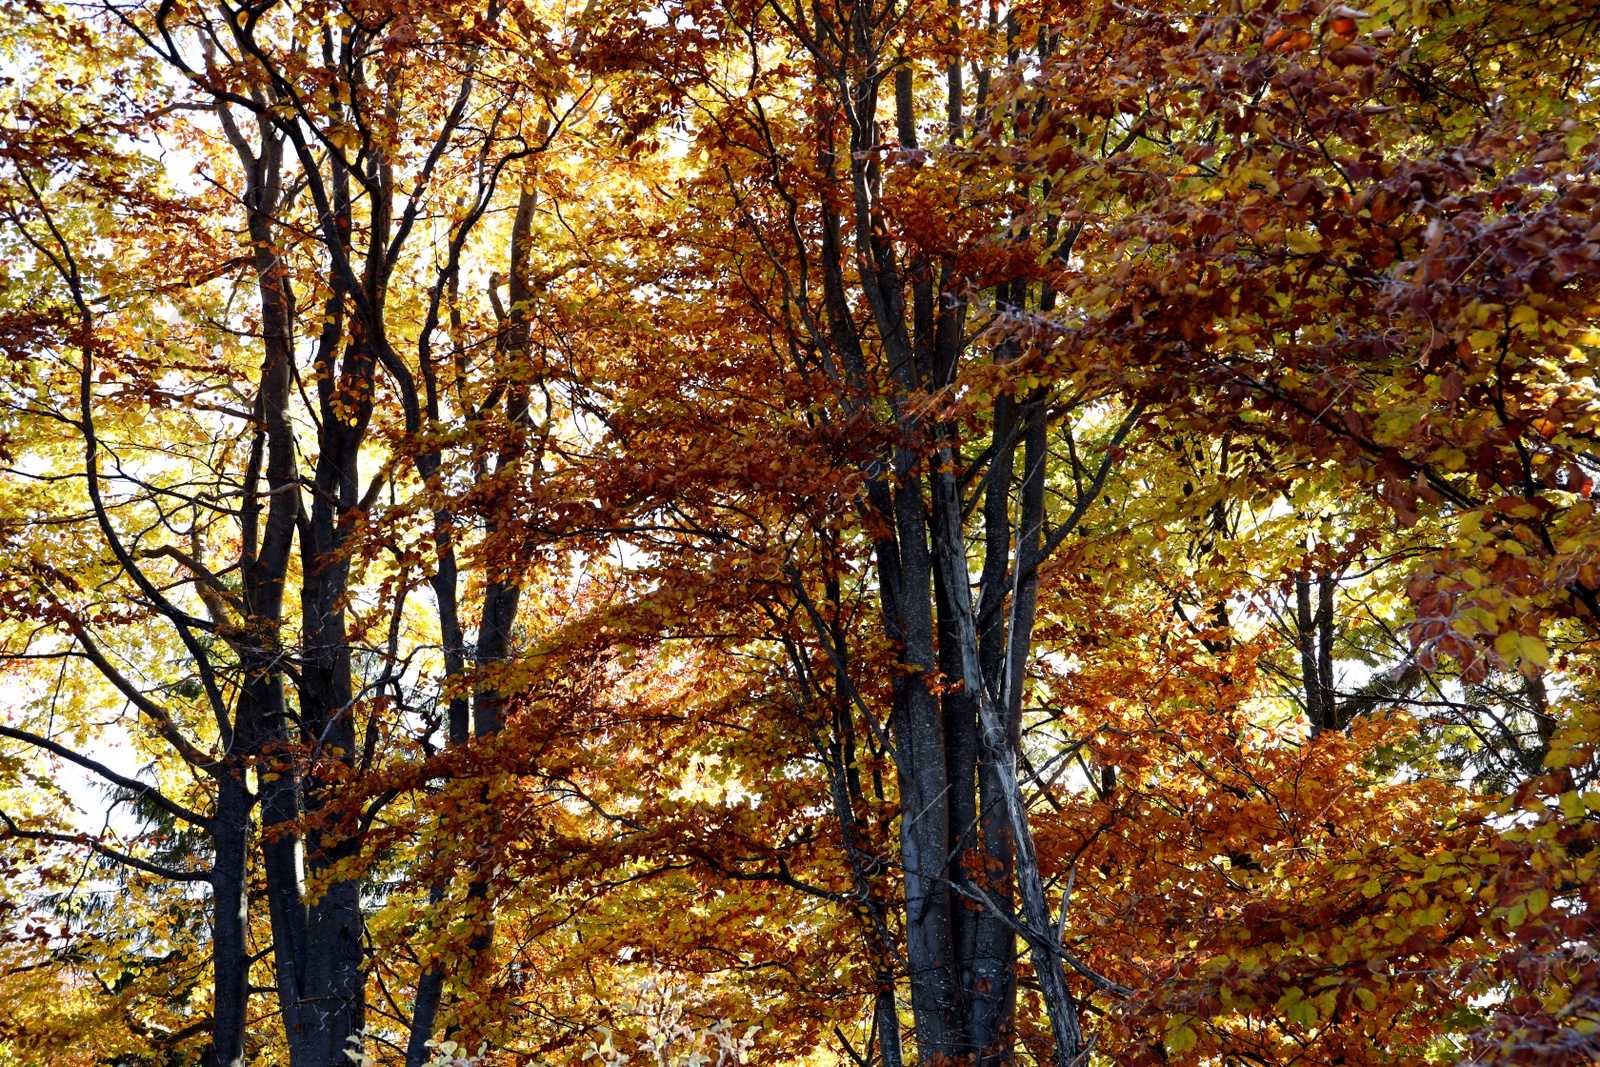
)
(865, 532)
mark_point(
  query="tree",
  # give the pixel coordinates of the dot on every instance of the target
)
(1066, 528)
(358, 179)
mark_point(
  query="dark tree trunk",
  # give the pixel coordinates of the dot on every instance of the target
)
(260, 729)
(501, 597)
(1314, 624)
(230, 919)
(961, 660)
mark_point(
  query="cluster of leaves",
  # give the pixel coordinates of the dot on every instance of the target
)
(1277, 323)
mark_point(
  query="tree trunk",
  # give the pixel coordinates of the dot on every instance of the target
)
(230, 919)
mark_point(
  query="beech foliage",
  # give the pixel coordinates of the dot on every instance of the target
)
(764, 531)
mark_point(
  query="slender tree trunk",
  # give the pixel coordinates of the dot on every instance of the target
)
(498, 617)
(333, 1002)
(1327, 587)
(230, 918)
(1314, 626)
(994, 974)
(997, 721)
(260, 731)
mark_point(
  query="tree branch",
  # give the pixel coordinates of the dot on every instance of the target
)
(150, 792)
(13, 830)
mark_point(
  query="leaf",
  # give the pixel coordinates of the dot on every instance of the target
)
(1303, 243)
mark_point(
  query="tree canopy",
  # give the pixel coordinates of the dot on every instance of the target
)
(752, 531)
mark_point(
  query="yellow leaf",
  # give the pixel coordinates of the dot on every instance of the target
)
(1304, 243)
(1533, 650)
(1572, 805)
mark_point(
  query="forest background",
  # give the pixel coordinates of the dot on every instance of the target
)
(832, 532)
